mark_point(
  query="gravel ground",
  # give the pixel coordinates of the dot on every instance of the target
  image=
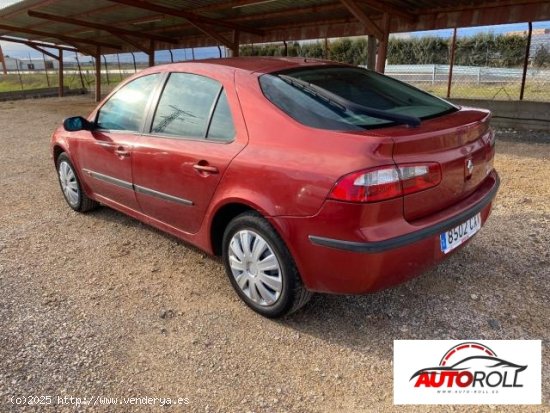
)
(101, 305)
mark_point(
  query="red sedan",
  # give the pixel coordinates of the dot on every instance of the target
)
(305, 176)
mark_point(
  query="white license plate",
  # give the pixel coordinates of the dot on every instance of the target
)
(460, 234)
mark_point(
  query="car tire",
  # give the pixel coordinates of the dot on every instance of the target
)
(260, 267)
(71, 187)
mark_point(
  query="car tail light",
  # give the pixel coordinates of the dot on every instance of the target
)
(386, 182)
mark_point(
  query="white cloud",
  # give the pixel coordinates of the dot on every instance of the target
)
(7, 3)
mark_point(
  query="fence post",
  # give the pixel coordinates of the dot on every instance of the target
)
(526, 61)
(79, 70)
(106, 70)
(19, 74)
(45, 69)
(119, 68)
(452, 63)
(61, 74)
(433, 75)
(134, 59)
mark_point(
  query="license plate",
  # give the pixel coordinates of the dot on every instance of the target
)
(460, 234)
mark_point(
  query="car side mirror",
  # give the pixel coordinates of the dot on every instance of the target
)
(77, 123)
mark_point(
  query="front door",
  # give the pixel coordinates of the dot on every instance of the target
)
(105, 154)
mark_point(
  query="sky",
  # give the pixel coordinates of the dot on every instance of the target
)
(24, 52)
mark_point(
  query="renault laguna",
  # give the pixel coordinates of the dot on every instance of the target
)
(304, 175)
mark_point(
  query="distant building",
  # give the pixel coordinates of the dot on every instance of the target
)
(536, 32)
(26, 65)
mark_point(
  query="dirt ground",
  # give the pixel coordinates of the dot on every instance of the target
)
(101, 305)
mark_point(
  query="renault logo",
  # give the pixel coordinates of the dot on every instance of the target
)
(469, 166)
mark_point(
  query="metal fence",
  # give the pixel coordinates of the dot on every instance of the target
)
(521, 72)
(476, 82)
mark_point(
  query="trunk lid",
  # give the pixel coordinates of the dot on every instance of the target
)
(460, 142)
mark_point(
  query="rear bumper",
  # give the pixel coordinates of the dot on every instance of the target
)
(410, 238)
(369, 259)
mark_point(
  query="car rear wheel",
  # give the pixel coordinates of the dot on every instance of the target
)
(70, 186)
(261, 268)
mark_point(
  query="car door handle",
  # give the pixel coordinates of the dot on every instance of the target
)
(122, 152)
(207, 169)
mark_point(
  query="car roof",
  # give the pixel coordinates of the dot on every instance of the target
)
(253, 64)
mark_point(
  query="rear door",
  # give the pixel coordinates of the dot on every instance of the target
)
(105, 154)
(191, 141)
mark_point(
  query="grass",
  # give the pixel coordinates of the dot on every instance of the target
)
(539, 91)
(25, 81)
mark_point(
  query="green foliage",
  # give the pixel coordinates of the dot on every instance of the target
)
(480, 50)
(542, 57)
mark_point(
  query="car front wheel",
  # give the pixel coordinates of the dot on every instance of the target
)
(70, 186)
(261, 268)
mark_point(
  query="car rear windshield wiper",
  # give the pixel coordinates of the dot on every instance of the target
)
(344, 104)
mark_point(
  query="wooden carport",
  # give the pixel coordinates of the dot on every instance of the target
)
(109, 26)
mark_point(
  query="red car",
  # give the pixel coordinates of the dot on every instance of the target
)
(305, 176)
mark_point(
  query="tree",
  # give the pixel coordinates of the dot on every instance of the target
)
(542, 57)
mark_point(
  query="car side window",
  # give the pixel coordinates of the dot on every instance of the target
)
(125, 110)
(186, 106)
(221, 126)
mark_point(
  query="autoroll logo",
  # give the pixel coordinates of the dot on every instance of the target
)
(468, 372)
(470, 365)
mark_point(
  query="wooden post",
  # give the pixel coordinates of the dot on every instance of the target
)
(3, 61)
(98, 74)
(371, 52)
(152, 53)
(235, 49)
(526, 62)
(383, 44)
(327, 49)
(451, 64)
(60, 74)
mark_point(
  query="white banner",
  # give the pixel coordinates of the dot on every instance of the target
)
(467, 372)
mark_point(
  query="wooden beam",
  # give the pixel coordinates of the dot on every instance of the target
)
(66, 39)
(152, 53)
(3, 61)
(360, 15)
(98, 74)
(113, 30)
(39, 49)
(235, 51)
(371, 52)
(60, 74)
(215, 35)
(386, 7)
(191, 17)
(383, 44)
(132, 42)
(526, 61)
(35, 43)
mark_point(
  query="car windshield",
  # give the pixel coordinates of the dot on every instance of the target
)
(347, 98)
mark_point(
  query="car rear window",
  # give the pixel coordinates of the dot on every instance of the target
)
(362, 87)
